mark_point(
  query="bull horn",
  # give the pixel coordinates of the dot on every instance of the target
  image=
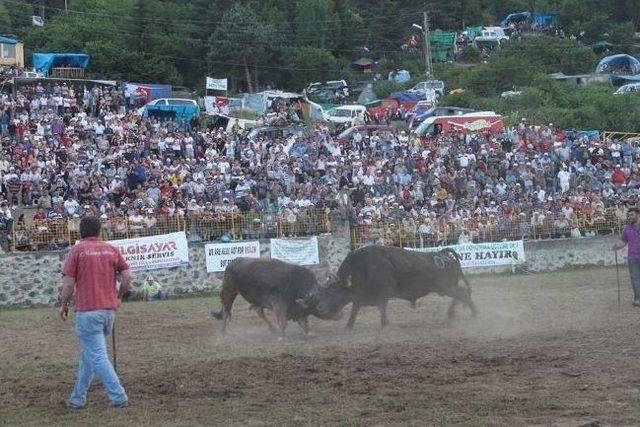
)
(302, 303)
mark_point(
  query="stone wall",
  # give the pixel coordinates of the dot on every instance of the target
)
(551, 255)
(34, 278)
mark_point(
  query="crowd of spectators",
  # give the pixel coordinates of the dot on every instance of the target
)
(68, 150)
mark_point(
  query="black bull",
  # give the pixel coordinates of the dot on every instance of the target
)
(286, 289)
(370, 276)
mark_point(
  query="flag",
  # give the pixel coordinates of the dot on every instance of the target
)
(216, 84)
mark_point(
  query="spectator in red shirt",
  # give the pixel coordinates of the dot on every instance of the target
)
(618, 177)
(90, 271)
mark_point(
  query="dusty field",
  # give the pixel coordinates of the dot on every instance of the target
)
(548, 349)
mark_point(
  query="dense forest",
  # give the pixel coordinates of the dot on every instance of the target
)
(283, 43)
(286, 44)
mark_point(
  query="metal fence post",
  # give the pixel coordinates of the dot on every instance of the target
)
(13, 236)
(68, 231)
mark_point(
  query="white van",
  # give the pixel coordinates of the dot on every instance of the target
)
(346, 115)
(493, 33)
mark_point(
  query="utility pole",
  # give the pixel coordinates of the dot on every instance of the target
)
(427, 47)
(42, 10)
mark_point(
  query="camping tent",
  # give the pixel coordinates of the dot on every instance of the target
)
(43, 62)
(365, 65)
(400, 76)
(618, 64)
(602, 46)
(620, 79)
(367, 94)
(515, 17)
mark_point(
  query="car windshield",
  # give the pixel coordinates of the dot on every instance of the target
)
(341, 113)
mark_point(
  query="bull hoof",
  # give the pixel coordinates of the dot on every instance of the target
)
(279, 339)
(310, 334)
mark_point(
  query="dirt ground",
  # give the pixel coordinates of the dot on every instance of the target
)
(548, 349)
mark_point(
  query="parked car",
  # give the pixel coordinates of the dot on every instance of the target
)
(346, 115)
(347, 134)
(493, 33)
(430, 85)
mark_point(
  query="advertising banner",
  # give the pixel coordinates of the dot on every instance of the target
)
(485, 254)
(302, 251)
(154, 252)
(216, 84)
(219, 255)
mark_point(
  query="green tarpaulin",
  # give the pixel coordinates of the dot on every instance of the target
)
(443, 46)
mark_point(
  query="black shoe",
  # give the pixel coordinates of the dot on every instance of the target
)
(636, 303)
(122, 404)
(72, 405)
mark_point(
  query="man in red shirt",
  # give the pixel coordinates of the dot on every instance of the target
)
(90, 271)
(618, 176)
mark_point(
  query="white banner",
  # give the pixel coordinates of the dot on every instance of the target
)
(154, 252)
(216, 84)
(302, 251)
(485, 254)
(219, 255)
(210, 105)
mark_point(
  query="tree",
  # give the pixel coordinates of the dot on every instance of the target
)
(5, 18)
(243, 41)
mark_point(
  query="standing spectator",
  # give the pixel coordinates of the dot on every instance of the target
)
(90, 271)
(630, 237)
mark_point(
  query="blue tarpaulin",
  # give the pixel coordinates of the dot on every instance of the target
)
(407, 96)
(6, 40)
(43, 62)
(543, 19)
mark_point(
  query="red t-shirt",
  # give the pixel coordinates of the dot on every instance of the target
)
(94, 264)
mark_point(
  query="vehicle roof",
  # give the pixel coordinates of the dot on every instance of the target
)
(475, 114)
(349, 107)
(177, 99)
